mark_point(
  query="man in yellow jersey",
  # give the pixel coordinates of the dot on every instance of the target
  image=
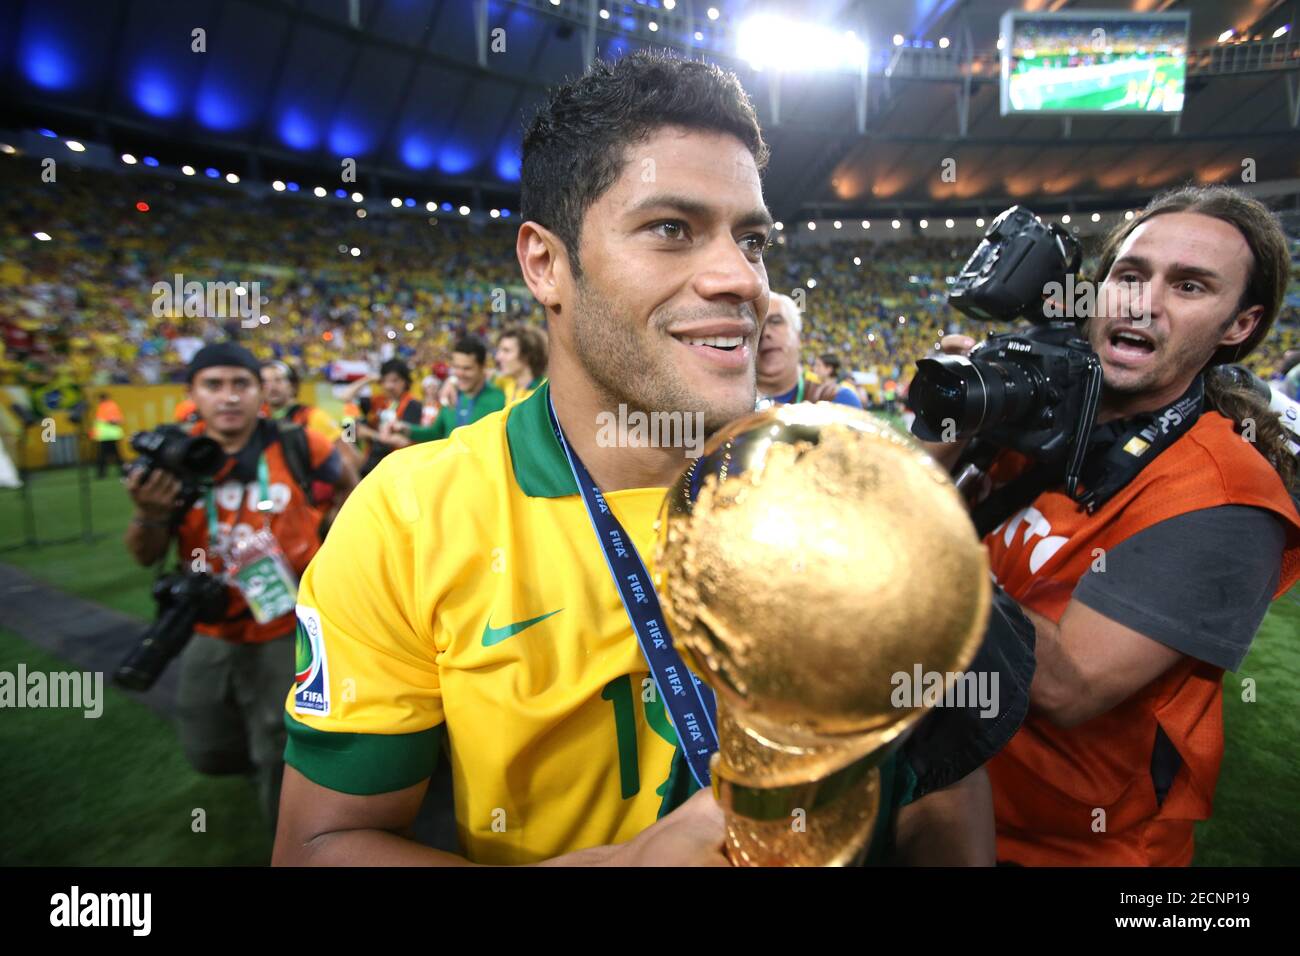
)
(464, 587)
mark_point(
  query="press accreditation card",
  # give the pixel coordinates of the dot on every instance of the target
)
(257, 567)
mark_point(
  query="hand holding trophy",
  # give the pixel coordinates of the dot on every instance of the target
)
(810, 554)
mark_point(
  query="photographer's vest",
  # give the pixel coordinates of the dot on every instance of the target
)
(1085, 795)
(294, 523)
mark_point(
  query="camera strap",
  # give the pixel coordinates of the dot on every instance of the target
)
(264, 502)
(1117, 452)
(688, 700)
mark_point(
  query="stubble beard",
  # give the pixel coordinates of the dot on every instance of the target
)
(642, 379)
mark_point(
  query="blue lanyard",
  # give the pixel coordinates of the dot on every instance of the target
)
(689, 700)
(464, 408)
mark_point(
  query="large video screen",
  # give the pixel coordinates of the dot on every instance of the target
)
(1093, 62)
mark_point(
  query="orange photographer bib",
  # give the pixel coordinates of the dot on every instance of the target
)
(1085, 795)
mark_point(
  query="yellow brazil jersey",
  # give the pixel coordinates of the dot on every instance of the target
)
(462, 587)
(510, 386)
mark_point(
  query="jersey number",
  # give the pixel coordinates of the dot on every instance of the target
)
(619, 693)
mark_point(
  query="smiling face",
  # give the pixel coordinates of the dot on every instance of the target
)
(1171, 298)
(665, 315)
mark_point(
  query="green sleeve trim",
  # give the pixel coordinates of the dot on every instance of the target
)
(361, 764)
(423, 433)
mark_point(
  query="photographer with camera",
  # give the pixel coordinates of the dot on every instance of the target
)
(1145, 548)
(245, 534)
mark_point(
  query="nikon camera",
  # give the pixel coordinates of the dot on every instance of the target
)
(1034, 391)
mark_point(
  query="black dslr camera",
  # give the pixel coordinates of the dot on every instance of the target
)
(184, 599)
(191, 459)
(1034, 391)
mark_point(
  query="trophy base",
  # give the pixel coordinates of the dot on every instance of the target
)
(823, 823)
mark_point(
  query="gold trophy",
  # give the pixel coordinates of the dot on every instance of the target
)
(807, 558)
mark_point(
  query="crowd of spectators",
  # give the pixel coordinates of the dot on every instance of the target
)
(341, 293)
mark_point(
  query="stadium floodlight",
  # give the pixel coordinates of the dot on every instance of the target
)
(979, 223)
(278, 186)
(670, 4)
(837, 224)
(812, 226)
(357, 197)
(924, 223)
(871, 336)
(812, 283)
(464, 210)
(866, 224)
(857, 260)
(76, 147)
(42, 236)
(943, 43)
(391, 333)
(896, 224)
(361, 214)
(1129, 214)
(1096, 217)
(319, 192)
(771, 41)
(494, 213)
(354, 252)
(410, 326)
(898, 39)
(232, 178)
(1065, 220)
(699, 37)
(713, 13)
(1225, 36)
(395, 202)
(778, 225)
(554, 3)
(128, 159)
(7, 149)
(948, 223)
(431, 206)
(654, 27)
(604, 14)
(1281, 30)
(187, 169)
(150, 161)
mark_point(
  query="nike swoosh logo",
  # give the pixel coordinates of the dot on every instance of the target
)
(495, 635)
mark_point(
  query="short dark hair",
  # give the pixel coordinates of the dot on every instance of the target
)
(474, 346)
(574, 147)
(1270, 268)
(396, 367)
(533, 346)
(289, 371)
(831, 361)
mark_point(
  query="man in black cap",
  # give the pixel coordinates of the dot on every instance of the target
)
(257, 528)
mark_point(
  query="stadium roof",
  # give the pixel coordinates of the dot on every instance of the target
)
(435, 92)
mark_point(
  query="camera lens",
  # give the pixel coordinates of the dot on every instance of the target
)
(971, 395)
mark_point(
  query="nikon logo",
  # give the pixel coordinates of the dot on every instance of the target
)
(1019, 347)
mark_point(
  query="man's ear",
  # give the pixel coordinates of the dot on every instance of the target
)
(1242, 325)
(544, 262)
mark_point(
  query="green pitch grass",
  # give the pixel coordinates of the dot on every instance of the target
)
(118, 791)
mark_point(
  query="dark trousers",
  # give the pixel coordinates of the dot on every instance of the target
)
(107, 450)
(231, 710)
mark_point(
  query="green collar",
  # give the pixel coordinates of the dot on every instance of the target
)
(541, 470)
